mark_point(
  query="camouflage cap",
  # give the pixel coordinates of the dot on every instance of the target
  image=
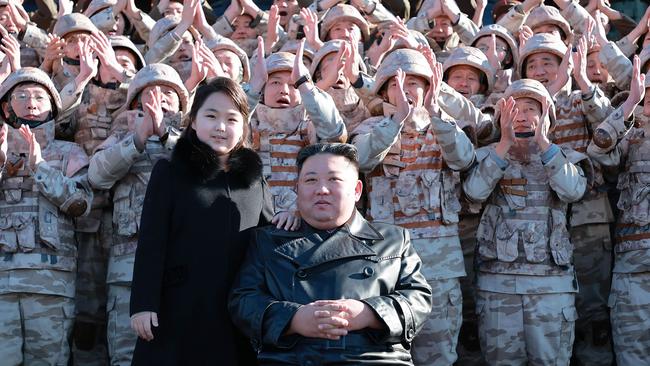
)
(473, 57)
(529, 88)
(165, 25)
(412, 62)
(125, 43)
(226, 44)
(328, 47)
(4, 2)
(539, 43)
(543, 15)
(75, 22)
(344, 12)
(96, 6)
(504, 34)
(31, 75)
(292, 45)
(280, 61)
(157, 74)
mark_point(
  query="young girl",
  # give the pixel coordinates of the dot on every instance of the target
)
(193, 235)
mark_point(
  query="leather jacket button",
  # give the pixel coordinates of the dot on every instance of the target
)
(368, 271)
(301, 274)
(410, 334)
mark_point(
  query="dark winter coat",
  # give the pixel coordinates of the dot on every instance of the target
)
(193, 237)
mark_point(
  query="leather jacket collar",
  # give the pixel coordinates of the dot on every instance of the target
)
(353, 239)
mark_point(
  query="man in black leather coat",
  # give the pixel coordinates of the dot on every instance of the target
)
(339, 290)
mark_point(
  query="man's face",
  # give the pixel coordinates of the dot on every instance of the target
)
(29, 101)
(126, 59)
(328, 66)
(548, 28)
(465, 79)
(279, 91)
(441, 30)
(528, 117)
(73, 43)
(596, 72)
(242, 28)
(542, 67)
(118, 27)
(328, 188)
(286, 8)
(503, 49)
(173, 9)
(170, 102)
(230, 63)
(5, 20)
(415, 88)
(345, 30)
(184, 52)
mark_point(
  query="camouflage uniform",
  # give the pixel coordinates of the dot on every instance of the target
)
(526, 283)
(503, 77)
(225, 44)
(164, 42)
(102, 15)
(37, 273)
(625, 144)
(118, 165)
(279, 133)
(590, 218)
(346, 100)
(413, 181)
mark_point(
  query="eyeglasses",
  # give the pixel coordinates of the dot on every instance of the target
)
(484, 48)
(23, 97)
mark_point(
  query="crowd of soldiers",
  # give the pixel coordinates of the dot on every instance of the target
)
(517, 160)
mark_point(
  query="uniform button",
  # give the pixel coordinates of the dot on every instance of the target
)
(301, 274)
(368, 271)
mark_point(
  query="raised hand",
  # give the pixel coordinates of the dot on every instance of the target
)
(524, 35)
(541, 130)
(88, 64)
(351, 62)
(18, 15)
(508, 113)
(431, 98)
(579, 57)
(65, 7)
(311, 28)
(11, 48)
(272, 32)
(210, 62)
(35, 156)
(259, 75)
(637, 88)
(330, 76)
(53, 52)
(492, 54)
(299, 68)
(403, 110)
(564, 72)
(106, 55)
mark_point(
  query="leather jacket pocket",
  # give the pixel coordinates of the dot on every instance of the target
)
(123, 212)
(408, 193)
(486, 232)
(381, 200)
(449, 197)
(534, 239)
(561, 247)
(507, 238)
(48, 223)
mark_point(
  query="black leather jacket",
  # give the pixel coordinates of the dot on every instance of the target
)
(374, 263)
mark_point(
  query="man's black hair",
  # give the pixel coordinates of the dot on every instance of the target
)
(347, 151)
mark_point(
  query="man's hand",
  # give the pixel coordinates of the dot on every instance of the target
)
(104, 51)
(287, 220)
(54, 52)
(233, 11)
(299, 68)
(11, 48)
(35, 156)
(65, 7)
(508, 114)
(637, 89)
(3, 144)
(563, 74)
(524, 35)
(580, 65)
(351, 61)
(431, 98)
(311, 28)
(272, 31)
(141, 323)
(88, 66)
(259, 75)
(541, 131)
(328, 79)
(18, 15)
(151, 123)
(403, 110)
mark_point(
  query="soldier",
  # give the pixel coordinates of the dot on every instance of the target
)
(545, 58)
(495, 40)
(328, 70)
(233, 60)
(413, 182)
(526, 283)
(294, 113)
(33, 40)
(621, 141)
(156, 100)
(44, 186)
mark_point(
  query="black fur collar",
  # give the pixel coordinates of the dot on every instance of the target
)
(245, 166)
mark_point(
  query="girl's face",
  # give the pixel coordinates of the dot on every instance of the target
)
(219, 124)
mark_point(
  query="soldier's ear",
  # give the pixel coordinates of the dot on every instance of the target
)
(6, 109)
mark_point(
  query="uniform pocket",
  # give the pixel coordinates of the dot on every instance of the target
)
(449, 197)
(381, 200)
(561, 247)
(123, 213)
(8, 239)
(408, 194)
(24, 226)
(486, 233)
(534, 238)
(507, 238)
(639, 204)
(48, 222)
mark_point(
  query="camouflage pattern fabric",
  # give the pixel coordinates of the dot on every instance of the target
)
(121, 338)
(630, 311)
